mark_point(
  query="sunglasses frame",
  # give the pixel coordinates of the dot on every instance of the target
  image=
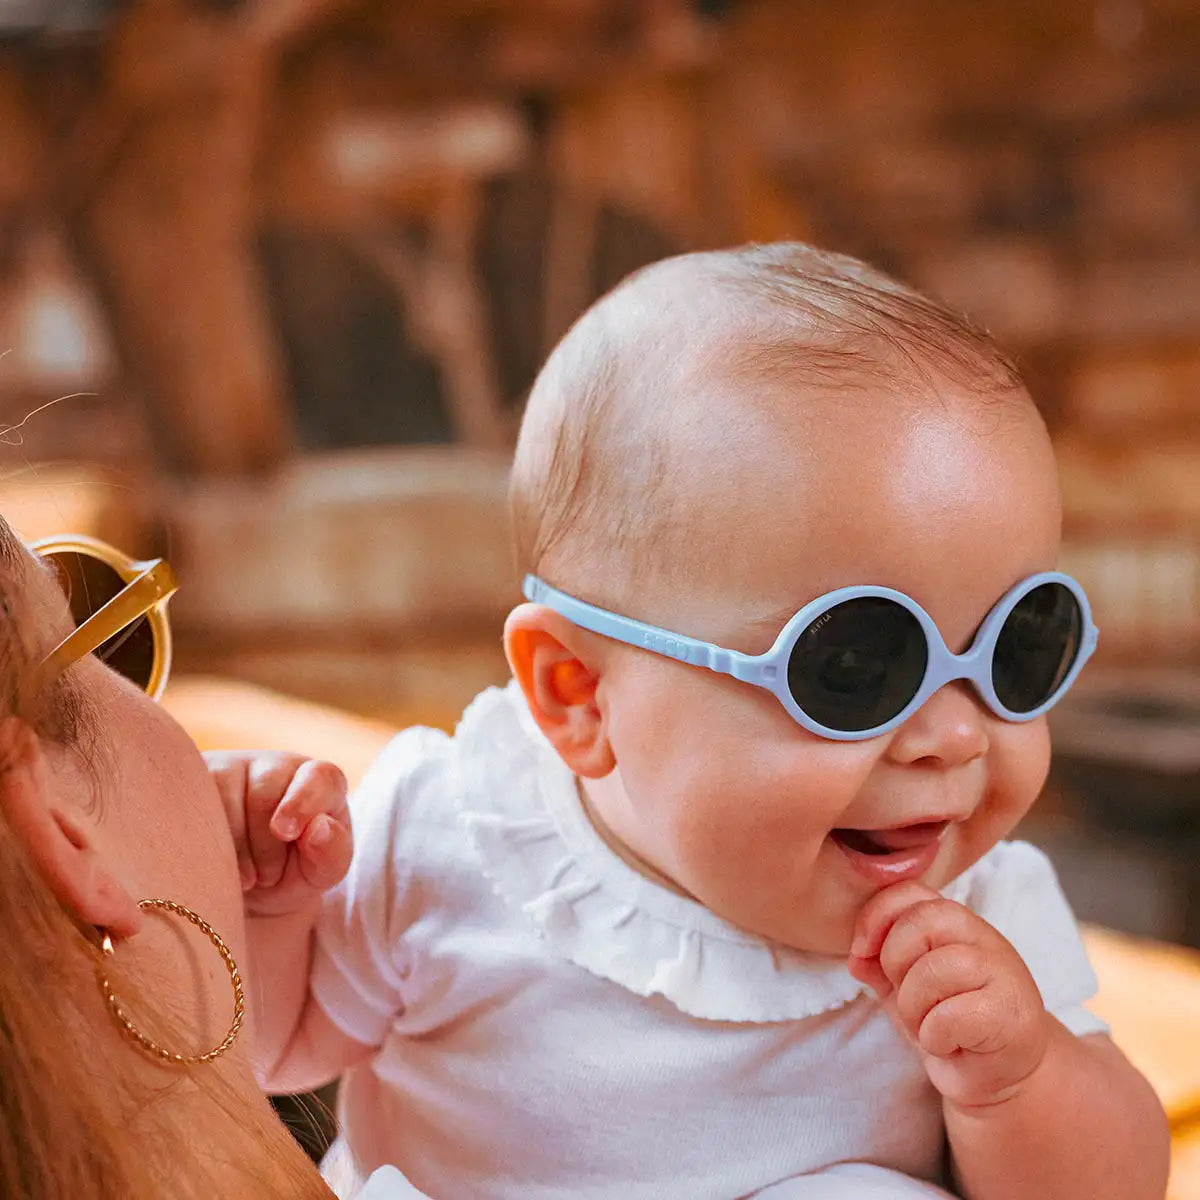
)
(149, 584)
(769, 670)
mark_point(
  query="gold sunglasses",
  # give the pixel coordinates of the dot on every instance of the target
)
(120, 610)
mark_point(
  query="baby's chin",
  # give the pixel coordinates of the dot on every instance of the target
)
(825, 925)
(830, 933)
(828, 938)
(831, 943)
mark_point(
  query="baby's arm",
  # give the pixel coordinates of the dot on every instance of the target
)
(291, 829)
(1031, 1109)
(298, 1047)
(1084, 1124)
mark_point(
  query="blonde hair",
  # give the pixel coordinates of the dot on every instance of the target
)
(71, 1123)
(595, 449)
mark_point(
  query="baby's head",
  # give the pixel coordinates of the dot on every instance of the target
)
(717, 443)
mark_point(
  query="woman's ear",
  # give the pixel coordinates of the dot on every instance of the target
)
(552, 661)
(56, 838)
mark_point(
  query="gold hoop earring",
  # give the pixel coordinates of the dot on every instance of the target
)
(148, 1044)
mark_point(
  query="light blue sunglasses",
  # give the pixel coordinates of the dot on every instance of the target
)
(858, 661)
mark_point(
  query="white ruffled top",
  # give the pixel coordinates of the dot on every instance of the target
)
(542, 854)
(478, 891)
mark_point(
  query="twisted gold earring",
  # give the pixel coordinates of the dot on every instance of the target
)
(136, 1035)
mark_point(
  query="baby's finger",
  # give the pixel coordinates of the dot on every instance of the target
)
(269, 777)
(877, 916)
(944, 972)
(964, 1024)
(868, 971)
(325, 848)
(923, 927)
(316, 787)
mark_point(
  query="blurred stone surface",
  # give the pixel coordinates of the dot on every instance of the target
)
(1021, 284)
(1037, 167)
(1144, 591)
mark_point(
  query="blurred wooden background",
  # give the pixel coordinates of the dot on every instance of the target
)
(306, 255)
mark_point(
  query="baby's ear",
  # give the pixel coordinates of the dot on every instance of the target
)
(57, 838)
(556, 666)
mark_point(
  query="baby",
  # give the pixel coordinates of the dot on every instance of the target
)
(713, 900)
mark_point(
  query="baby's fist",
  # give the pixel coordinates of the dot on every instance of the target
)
(290, 823)
(958, 988)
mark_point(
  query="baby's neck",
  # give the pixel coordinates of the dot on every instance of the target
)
(628, 856)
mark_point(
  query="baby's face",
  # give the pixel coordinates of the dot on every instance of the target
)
(952, 503)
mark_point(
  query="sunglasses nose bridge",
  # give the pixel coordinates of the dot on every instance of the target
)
(945, 667)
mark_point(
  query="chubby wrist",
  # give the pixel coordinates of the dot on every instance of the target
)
(1045, 1074)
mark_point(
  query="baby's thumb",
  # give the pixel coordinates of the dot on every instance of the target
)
(868, 971)
(325, 848)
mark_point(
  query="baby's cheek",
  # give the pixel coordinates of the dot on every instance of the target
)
(750, 833)
(1020, 757)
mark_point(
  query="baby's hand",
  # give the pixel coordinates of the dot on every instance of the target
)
(957, 987)
(290, 824)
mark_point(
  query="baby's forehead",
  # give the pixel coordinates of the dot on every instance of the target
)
(749, 394)
(706, 404)
(735, 448)
(734, 421)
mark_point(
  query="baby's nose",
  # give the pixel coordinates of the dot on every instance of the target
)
(949, 729)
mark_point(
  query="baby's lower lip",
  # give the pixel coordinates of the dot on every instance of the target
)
(919, 845)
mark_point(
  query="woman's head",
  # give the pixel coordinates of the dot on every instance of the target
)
(117, 803)
(104, 801)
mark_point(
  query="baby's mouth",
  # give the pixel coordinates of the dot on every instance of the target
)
(890, 841)
(887, 856)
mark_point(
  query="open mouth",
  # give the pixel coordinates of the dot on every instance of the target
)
(889, 841)
(890, 855)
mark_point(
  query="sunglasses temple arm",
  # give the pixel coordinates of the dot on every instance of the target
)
(156, 584)
(646, 637)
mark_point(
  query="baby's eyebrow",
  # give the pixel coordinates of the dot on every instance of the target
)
(772, 622)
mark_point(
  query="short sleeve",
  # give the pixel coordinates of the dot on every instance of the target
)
(359, 961)
(1014, 888)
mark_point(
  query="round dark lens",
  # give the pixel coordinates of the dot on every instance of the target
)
(1037, 647)
(858, 664)
(89, 584)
